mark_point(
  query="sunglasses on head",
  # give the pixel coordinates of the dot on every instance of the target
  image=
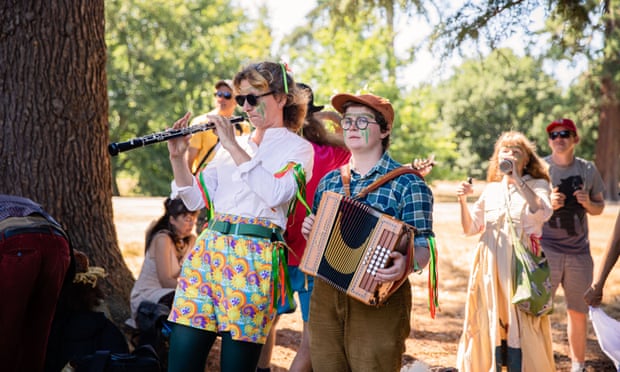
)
(251, 98)
(561, 134)
(222, 94)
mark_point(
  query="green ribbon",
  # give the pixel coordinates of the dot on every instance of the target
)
(433, 292)
(281, 291)
(300, 194)
(206, 198)
(284, 78)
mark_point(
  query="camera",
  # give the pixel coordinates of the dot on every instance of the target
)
(505, 166)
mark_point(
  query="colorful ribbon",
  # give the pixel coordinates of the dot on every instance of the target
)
(300, 179)
(284, 68)
(433, 278)
(205, 196)
(281, 290)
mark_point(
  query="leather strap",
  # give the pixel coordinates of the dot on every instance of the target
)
(345, 174)
(387, 177)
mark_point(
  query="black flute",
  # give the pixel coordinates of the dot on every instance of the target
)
(116, 147)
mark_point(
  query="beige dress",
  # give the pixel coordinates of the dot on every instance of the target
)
(495, 332)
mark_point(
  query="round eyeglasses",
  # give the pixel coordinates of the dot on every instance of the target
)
(361, 122)
(251, 98)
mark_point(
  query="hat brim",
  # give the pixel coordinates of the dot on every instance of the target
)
(340, 99)
(313, 109)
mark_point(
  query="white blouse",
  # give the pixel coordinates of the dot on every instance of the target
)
(491, 207)
(251, 189)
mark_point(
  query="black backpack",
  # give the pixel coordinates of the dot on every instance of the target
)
(142, 359)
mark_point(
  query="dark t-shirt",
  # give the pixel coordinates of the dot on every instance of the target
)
(567, 229)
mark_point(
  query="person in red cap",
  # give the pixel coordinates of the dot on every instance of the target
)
(347, 334)
(577, 191)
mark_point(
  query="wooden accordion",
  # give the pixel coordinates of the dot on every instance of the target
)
(349, 241)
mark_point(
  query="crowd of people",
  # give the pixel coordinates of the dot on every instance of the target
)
(256, 190)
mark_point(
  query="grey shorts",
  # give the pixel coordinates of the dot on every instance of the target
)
(574, 273)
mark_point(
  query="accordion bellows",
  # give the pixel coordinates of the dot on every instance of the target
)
(349, 241)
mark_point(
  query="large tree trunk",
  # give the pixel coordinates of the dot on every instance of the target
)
(53, 115)
(608, 142)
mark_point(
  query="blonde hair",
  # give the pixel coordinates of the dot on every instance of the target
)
(535, 166)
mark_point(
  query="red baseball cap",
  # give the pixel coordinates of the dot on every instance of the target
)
(380, 104)
(568, 123)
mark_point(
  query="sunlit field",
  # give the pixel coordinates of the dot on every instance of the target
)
(432, 341)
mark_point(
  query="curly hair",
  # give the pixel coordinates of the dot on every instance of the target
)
(535, 166)
(273, 76)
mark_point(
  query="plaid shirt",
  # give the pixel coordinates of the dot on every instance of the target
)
(407, 198)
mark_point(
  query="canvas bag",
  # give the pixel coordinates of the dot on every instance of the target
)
(531, 275)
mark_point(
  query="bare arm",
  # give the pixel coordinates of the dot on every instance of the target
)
(594, 294)
(533, 201)
(464, 189)
(177, 148)
(168, 268)
(593, 205)
(226, 133)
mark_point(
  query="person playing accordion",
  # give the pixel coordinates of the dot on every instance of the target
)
(347, 334)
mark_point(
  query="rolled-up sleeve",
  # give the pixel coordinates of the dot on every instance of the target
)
(273, 190)
(192, 195)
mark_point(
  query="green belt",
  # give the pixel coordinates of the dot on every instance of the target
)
(246, 229)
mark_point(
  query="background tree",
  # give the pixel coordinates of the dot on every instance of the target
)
(53, 114)
(573, 29)
(349, 46)
(164, 57)
(486, 97)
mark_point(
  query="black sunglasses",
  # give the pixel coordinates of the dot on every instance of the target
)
(251, 98)
(225, 95)
(561, 134)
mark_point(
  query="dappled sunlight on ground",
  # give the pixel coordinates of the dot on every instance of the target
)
(432, 341)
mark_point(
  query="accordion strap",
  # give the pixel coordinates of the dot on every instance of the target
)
(346, 179)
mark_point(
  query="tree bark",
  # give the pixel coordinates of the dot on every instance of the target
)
(53, 115)
(608, 142)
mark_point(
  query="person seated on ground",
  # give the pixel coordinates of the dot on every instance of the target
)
(80, 326)
(168, 240)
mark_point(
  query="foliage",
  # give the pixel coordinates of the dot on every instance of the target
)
(163, 59)
(165, 56)
(349, 48)
(516, 95)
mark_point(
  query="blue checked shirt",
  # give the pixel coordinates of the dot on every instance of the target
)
(407, 198)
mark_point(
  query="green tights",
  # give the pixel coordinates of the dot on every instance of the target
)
(189, 348)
